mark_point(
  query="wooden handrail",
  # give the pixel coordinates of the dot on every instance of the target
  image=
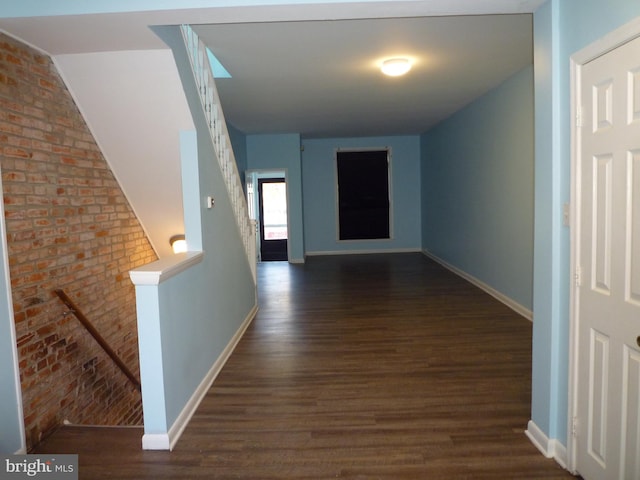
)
(96, 335)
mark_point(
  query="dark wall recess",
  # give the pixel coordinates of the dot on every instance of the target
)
(363, 194)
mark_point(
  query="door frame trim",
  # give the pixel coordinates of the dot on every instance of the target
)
(604, 45)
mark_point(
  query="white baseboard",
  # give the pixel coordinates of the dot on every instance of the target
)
(509, 302)
(156, 441)
(361, 252)
(166, 441)
(539, 439)
(550, 448)
(560, 454)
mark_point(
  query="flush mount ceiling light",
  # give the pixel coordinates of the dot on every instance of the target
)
(394, 67)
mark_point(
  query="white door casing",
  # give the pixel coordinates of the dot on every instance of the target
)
(605, 357)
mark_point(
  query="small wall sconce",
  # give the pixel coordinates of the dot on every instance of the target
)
(178, 243)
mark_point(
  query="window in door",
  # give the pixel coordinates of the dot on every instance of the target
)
(363, 194)
(272, 193)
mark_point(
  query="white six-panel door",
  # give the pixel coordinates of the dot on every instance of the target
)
(608, 266)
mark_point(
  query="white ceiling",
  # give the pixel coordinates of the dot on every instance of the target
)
(322, 78)
(84, 31)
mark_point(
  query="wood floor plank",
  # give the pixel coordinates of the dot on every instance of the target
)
(356, 367)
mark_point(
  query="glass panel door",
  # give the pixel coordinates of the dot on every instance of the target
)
(273, 218)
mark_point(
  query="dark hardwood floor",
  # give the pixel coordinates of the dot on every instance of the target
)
(358, 367)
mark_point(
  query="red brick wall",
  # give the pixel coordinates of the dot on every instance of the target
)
(69, 226)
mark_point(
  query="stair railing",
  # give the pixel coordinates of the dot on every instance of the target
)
(98, 338)
(211, 105)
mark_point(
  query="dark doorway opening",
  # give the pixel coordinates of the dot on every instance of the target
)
(272, 199)
(363, 194)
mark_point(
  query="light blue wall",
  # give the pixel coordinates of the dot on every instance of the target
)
(546, 370)
(319, 185)
(187, 321)
(561, 28)
(477, 189)
(11, 429)
(282, 152)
